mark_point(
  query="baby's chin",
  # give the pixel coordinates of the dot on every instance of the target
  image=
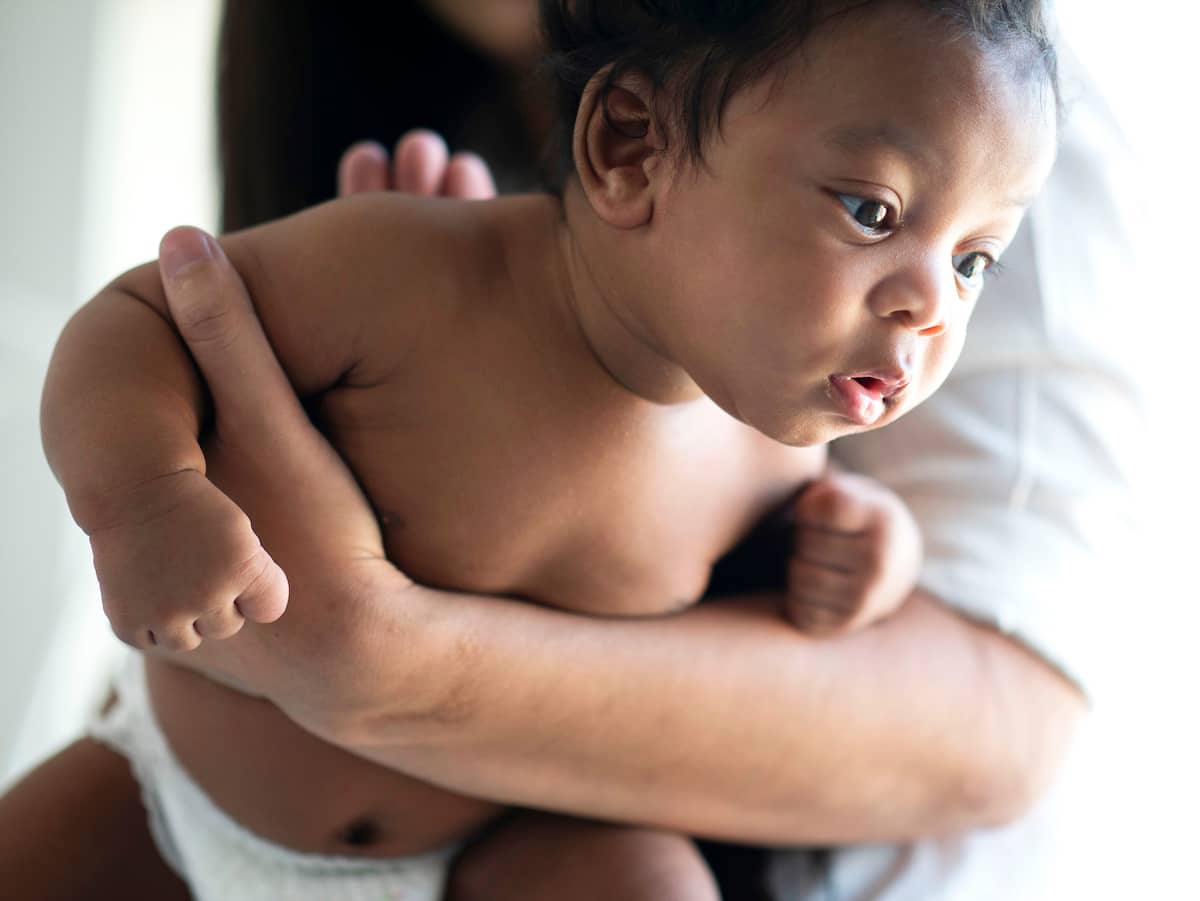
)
(807, 430)
(802, 425)
(820, 427)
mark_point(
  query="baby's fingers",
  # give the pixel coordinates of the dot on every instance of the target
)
(149, 631)
(223, 622)
(262, 600)
(177, 635)
(829, 504)
(820, 600)
(265, 598)
(846, 552)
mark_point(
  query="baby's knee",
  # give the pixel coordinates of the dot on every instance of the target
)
(662, 866)
(538, 857)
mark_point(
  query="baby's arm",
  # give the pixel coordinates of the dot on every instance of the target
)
(928, 724)
(856, 555)
(123, 408)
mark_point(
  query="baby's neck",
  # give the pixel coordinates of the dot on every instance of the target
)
(570, 262)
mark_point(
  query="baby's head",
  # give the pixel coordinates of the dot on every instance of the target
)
(796, 202)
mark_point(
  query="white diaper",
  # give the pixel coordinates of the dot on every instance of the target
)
(221, 860)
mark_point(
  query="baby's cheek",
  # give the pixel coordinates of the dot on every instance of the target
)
(944, 352)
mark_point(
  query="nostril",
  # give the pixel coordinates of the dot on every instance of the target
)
(933, 331)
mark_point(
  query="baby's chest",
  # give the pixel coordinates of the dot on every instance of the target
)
(596, 510)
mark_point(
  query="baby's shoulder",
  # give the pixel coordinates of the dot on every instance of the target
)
(362, 277)
(415, 238)
(383, 253)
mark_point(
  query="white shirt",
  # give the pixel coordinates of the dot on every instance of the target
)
(1021, 471)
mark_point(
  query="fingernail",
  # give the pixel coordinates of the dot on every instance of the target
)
(183, 247)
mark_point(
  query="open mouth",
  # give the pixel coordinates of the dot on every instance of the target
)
(873, 386)
(864, 398)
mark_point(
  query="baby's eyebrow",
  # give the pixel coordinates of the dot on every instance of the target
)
(864, 137)
(894, 137)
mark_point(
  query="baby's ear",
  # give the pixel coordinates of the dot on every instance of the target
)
(618, 149)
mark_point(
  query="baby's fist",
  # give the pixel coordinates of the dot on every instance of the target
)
(182, 564)
(856, 555)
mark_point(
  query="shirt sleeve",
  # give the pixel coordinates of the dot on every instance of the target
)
(1022, 470)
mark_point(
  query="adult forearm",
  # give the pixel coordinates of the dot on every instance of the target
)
(723, 721)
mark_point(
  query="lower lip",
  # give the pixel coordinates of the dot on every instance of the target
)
(856, 402)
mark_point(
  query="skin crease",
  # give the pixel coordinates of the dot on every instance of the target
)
(662, 327)
(634, 352)
(749, 281)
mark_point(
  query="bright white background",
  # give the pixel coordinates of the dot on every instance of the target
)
(1137, 774)
(105, 118)
(105, 111)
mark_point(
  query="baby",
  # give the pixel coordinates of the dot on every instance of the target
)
(778, 219)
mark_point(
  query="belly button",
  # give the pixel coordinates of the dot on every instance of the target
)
(360, 833)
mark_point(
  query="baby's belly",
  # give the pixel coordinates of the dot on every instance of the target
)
(293, 788)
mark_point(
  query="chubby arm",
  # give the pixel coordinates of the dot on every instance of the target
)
(722, 721)
(123, 408)
(123, 402)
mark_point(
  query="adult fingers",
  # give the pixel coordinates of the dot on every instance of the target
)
(420, 163)
(258, 417)
(468, 178)
(213, 313)
(363, 168)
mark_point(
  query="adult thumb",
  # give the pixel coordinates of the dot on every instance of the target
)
(212, 310)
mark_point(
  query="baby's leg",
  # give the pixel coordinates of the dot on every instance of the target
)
(543, 857)
(75, 828)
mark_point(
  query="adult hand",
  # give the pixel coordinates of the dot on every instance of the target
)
(421, 165)
(260, 429)
(263, 452)
(949, 725)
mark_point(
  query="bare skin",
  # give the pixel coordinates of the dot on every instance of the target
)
(75, 828)
(566, 529)
(111, 849)
(758, 475)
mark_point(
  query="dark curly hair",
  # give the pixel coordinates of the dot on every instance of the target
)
(698, 53)
(299, 80)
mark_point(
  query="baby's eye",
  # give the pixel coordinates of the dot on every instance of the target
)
(971, 266)
(871, 215)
